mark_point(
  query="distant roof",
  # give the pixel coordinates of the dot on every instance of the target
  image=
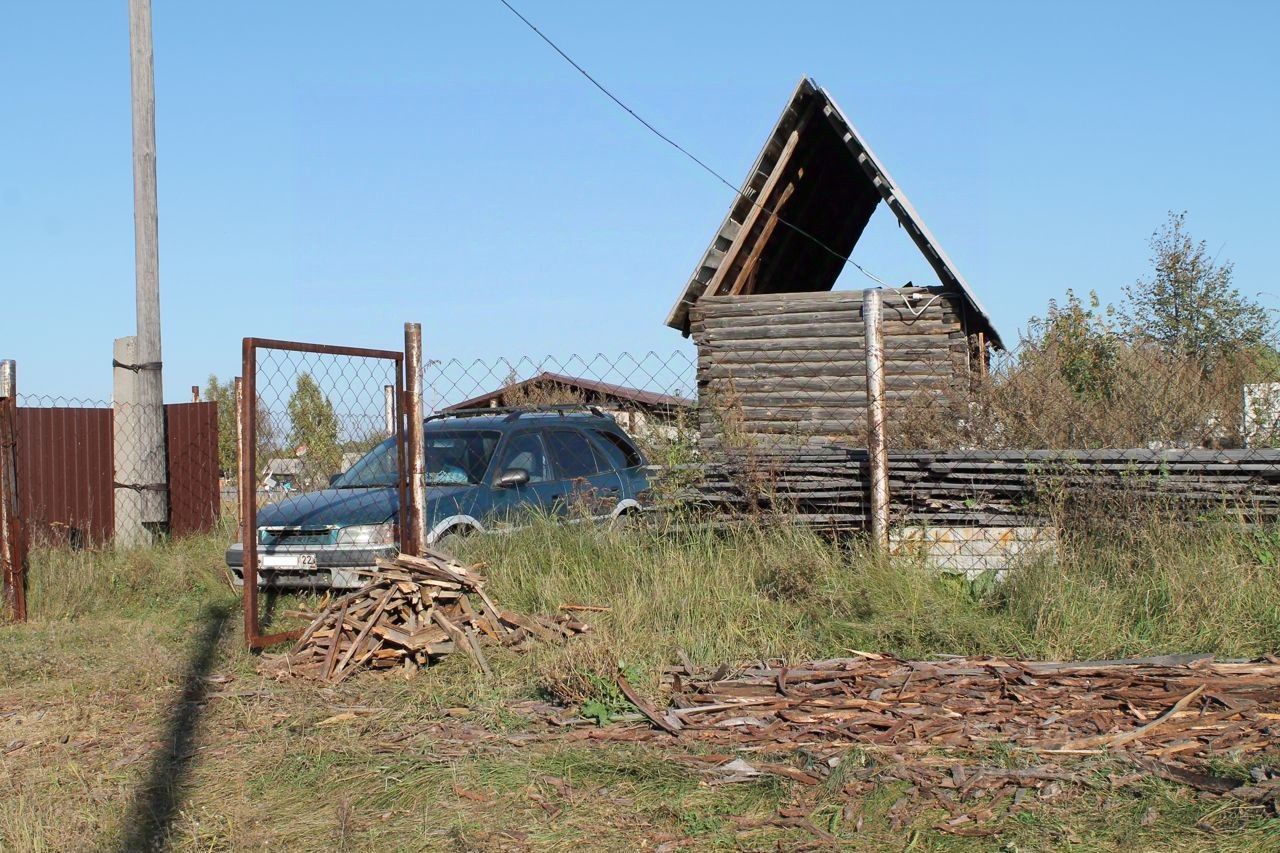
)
(817, 172)
(589, 387)
(284, 465)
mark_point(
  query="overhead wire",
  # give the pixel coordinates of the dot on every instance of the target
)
(680, 148)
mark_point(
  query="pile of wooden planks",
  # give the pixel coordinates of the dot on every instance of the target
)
(412, 612)
(829, 486)
(977, 738)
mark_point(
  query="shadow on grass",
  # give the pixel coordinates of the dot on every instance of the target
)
(270, 603)
(157, 801)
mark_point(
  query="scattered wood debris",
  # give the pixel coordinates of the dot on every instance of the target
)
(412, 612)
(978, 737)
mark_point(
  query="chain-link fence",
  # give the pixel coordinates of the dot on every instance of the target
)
(989, 452)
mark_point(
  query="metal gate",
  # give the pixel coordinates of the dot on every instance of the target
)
(311, 417)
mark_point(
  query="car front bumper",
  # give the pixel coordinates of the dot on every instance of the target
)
(309, 567)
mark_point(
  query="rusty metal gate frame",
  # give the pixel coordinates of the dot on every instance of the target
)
(248, 497)
(13, 543)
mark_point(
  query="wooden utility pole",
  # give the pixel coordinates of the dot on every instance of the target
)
(145, 468)
(877, 450)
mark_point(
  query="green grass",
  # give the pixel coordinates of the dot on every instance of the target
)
(88, 687)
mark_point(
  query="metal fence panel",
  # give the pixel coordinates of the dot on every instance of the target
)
(191, 431)
(65, 474)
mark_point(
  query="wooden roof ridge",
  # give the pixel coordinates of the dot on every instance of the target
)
(733, 260)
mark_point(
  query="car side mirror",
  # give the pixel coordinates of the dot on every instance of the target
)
(513, 477)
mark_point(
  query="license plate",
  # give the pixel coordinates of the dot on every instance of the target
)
(304, 562)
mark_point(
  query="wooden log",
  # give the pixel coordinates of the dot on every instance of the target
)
(806, 335)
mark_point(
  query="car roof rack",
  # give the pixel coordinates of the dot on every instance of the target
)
(514, 412)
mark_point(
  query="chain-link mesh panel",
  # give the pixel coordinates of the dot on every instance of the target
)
(1070, 432)
(991, 454)
(324, 443)
(651, 396)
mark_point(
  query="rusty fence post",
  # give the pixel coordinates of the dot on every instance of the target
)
(877, 450)
(246, 486)
(414, 516)
(13, 558)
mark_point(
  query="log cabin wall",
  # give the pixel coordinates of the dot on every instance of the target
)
(789, 369)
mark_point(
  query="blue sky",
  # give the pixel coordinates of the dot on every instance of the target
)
(328, 171)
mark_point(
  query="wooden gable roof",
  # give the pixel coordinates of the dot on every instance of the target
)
(818, 173)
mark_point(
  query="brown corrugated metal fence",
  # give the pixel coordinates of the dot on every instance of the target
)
(65, 471)
(192, 432)
(64, 474)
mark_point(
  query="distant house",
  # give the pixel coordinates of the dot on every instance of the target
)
(284, 473)
(635, 410)
(775, 343)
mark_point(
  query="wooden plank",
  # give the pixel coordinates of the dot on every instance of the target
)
(749, 221)
(748, 266)
(331, 655)
(360, 638)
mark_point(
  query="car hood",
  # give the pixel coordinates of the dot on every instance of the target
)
(344, 507)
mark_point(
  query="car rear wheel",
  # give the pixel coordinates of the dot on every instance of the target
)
(451, 540)
(628, 519)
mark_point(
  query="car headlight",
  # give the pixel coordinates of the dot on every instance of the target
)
(368, 534)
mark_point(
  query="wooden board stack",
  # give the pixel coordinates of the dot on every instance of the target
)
(412, 612)
(828, 486)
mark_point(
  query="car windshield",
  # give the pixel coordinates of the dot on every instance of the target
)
(458, 457)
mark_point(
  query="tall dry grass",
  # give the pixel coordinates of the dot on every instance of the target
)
(64, 582)
(1153, 584)
(784, 591)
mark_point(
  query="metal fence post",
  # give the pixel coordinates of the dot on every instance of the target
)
(12, 553)
(877, 452)
(415, 538)
(246, 484)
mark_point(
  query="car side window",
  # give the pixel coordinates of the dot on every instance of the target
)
(621, 452)
(526, 452)
(573, 454)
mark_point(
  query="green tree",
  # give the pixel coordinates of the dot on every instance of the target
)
(224, 394)
(314, 435)
(1078, 341)
(1188, 305)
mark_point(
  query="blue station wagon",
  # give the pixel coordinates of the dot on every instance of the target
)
(484, 472)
